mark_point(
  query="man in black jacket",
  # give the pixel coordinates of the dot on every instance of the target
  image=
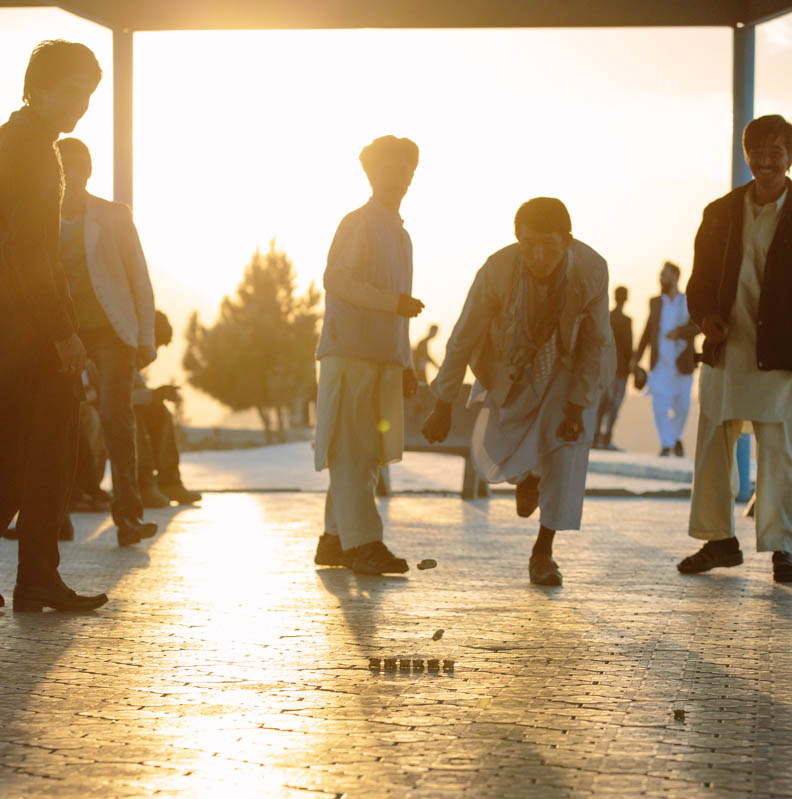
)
(41, 357)
(740, 296)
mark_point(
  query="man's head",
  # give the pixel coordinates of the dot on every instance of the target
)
(163, 332)
(669, 277)
(544, 230)
(620, 295)
(76, 160)
(60, 79)
(389, 164)
(767, 144)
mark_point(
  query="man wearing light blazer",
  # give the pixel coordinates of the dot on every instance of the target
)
(114, 302)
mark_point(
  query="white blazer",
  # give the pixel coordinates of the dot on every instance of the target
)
(118, 271)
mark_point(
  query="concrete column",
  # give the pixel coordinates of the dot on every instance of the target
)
(742, 98)
(742, 113)
(123, 61)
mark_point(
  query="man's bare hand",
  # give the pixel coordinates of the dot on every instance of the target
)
(438, 423)
(409, 306)
(571, 427)
(714, 328)
(409, 383)
(145, 356)
(170, 393)
(72, 355)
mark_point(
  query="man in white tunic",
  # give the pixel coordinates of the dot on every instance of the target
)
(670, 335)
(365, 361)
(535, 330)
(740, 295)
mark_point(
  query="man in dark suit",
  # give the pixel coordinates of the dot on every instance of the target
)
(613, 395)
(41, 357)
(669, 335)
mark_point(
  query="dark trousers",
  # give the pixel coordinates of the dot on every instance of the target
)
(157, 439)
(38, 445)
(115, 362)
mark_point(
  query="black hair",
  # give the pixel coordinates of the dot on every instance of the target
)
(53, 59)
(543, 215)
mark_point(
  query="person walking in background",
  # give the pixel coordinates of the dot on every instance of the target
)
(613, 395)
(114, 302)
(669, 334)
(41, 356)
(365, 361)
(535, 331)
(740, 296)
(421, 356)
(158, 449)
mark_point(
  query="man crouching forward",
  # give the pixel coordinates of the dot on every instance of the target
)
(535, 331)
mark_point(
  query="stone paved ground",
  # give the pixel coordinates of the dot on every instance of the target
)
(225, 664)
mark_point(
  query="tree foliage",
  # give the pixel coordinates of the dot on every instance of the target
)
(260, 351)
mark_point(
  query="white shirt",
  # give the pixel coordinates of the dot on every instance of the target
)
(735, 388)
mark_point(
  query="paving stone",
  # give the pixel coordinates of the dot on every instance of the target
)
(227, 664)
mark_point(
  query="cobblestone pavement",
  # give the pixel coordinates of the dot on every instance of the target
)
(226, 664)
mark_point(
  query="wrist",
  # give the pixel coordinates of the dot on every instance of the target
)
(441, 406)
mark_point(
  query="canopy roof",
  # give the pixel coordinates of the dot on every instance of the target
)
(152, 15)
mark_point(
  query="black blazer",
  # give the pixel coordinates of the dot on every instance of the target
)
(716, 270)
(685, 361)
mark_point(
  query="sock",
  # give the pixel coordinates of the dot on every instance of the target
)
(544, 542)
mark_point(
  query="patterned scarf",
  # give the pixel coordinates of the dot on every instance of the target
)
(533, 318)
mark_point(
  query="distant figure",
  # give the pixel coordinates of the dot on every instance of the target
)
(740, 296)
(669, 334)
(365, 361)
(41, 356)
(613, 395)
(535, 331)
(156, 435)
(114, 302)
(421, 356)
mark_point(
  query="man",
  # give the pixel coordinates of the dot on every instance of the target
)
(365, 361)
(157, 446)
(41, 357)
(669, 334)
(613, 395)
(421, 356)
(740, 296)
(535, 331)
(114, 303)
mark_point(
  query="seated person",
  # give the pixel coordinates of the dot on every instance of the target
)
(157, 447)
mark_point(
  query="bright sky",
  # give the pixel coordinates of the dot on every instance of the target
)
(245, 136)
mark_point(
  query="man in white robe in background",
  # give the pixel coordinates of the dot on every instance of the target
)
(366, 361)
(740, 296)
(535, 330)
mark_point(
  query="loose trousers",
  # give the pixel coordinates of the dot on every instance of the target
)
(716, 482)
(359, 429)
(670, 405)
(39, 412)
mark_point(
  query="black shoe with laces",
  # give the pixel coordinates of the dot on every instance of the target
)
(782, 567)
(713, 554)
(328, 551)
(374, 558)
(57, 595)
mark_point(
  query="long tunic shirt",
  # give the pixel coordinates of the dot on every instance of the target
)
(735, 388)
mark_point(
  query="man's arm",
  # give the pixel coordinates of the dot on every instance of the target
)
(30, 221)
(642, 344)
(480, 307)
(348, 252)
(594, 340)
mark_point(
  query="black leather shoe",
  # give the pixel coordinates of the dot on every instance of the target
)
(66, 533)
(131, 531)
(543, 570)
(782, 567)
(374, 558)
(713, 554)
(57, 595)
(152, 497)
(527, 495)
(679, 450)
(178, 493)
(665, 452)
(328, 551)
